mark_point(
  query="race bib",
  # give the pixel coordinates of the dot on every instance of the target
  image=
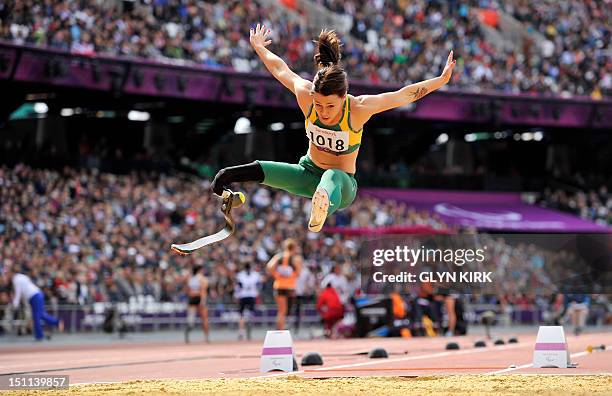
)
(336, 141)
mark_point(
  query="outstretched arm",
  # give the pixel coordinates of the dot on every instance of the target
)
(373, 104)
(271, 266)
(274, 64)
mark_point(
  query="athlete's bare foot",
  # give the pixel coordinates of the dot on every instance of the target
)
(318, 212)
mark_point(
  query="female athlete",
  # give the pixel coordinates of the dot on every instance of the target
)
(197, 291)
(334, 126)
(285, 267)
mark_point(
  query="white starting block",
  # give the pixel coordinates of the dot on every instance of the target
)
(551, 348)
(277, 352)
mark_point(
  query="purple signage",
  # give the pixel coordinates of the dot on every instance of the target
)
(63, 70)
(488, 211)
(8, 56)
(394, 230)
(179, 79)
(207, 85)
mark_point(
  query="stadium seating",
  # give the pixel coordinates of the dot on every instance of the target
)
(389, 42)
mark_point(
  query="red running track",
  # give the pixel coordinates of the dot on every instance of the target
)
(342, 358)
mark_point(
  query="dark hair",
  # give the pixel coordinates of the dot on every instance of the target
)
(330, 78)
(196, 269)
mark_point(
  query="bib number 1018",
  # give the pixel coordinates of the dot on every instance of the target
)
(336, 141)
(327, 142)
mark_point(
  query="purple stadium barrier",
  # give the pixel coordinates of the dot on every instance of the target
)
(182, 80)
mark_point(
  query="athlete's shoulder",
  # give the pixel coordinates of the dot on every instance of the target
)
(355, 103)
(303, 96)
(303, 85)
(356, 113)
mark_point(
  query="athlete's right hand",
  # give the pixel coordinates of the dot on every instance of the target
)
(259, 36)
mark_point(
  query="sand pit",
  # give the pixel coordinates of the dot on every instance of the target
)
(293, 385)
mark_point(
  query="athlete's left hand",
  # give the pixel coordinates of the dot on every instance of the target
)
(448, 69)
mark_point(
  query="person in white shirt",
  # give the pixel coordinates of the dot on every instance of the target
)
(25, 290)
(339, 282)
(305, 290)
(247, 290)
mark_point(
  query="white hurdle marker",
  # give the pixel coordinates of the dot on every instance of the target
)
(277, 352)
(551, 348)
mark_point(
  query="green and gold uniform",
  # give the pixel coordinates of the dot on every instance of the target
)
(304, 177)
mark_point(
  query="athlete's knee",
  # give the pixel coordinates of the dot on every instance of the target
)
(219, 182)
(334, 176)
(331, 173)
(240, 173)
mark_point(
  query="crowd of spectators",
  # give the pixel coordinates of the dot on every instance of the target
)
(591, 204)
(390, 41)
(85, 236)
(407, 41)
(573, 59)
(576, 53)
(210, 33)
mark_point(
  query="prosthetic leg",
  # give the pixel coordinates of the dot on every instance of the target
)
(230, 200)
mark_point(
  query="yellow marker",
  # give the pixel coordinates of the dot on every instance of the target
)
(592, 348)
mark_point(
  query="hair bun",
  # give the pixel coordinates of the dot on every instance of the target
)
(328, 49)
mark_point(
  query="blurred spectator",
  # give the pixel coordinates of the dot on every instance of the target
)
(305, 291)
(338, 281)
(591, 204)
(330, 308)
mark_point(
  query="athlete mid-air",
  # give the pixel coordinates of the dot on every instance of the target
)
(334, 127)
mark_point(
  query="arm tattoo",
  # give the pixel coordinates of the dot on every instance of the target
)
(419, 93)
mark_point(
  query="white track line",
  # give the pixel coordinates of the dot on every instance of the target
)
(402, 359)
(573, 355)
(510, 369)
(407, 358)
